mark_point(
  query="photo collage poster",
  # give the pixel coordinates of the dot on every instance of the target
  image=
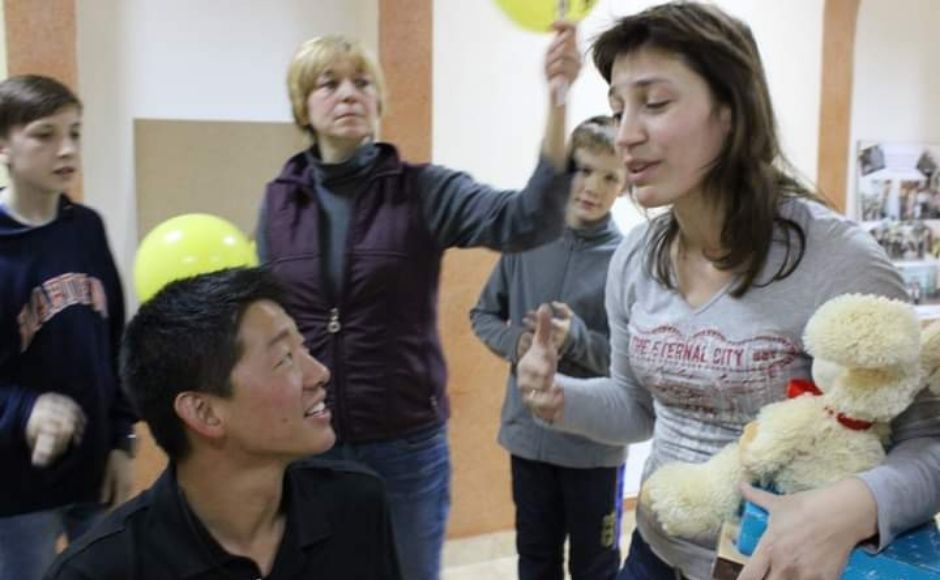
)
(898, 198)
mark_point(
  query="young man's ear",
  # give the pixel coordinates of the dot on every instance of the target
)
(197, 413)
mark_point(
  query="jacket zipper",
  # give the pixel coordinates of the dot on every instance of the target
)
(569, 243)
(333, 326)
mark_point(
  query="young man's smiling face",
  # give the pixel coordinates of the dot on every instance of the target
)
(277, 406)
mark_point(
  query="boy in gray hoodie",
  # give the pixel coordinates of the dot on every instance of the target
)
(564, 486)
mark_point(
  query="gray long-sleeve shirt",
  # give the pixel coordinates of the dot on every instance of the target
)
(573, 270)
(693, 377)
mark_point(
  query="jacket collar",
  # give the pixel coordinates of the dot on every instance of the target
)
(603, 228)
(372, 160)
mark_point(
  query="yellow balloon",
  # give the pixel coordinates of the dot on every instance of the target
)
(538, 15)
(185, 246)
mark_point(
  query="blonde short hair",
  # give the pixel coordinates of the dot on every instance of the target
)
(315, 56)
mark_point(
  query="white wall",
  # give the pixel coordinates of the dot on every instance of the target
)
(896, 84)
(186, 59)
(489, 97)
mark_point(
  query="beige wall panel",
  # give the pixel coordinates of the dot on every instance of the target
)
(216, 167)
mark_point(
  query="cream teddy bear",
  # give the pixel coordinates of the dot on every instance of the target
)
(868, 365)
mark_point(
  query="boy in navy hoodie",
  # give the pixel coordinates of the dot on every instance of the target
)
(66, 431)
(563, 485)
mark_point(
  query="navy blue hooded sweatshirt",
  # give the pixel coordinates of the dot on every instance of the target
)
(61, 318)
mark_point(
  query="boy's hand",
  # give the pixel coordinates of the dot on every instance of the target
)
(560, 323)
(118, 479)
(562, 60)
(535, 373)
(54, 423)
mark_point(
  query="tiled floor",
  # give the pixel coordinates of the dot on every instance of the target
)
(493, 556)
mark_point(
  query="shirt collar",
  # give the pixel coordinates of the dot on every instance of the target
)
(192, 550)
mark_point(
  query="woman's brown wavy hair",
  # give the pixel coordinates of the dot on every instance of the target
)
(750, 176)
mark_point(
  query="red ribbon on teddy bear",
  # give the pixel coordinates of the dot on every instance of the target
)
(798, 387)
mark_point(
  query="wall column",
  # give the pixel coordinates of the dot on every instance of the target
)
(405, 49)
(835, 112)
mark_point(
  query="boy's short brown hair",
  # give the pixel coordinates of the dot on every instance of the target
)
(598, 134)
(25, 98)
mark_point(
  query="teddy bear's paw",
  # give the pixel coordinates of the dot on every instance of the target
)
(681, 501)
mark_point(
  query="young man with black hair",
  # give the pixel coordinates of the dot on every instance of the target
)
(221, 375)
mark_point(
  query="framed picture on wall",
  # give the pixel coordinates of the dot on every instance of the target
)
(898, 201)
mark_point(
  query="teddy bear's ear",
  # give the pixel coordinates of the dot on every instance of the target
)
(930, 355)
(864, 331)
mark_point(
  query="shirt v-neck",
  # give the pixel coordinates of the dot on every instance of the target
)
(715, 297)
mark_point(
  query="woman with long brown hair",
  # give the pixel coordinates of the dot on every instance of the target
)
(707, 302)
